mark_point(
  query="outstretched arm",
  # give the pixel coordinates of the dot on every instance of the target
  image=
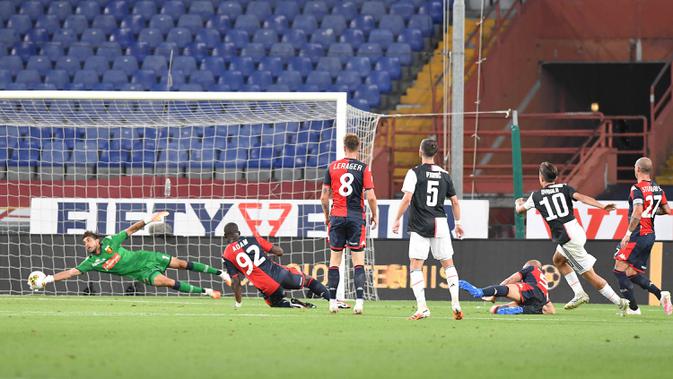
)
(63, 275)
(158, 216)
(276, 250)
(588, 200)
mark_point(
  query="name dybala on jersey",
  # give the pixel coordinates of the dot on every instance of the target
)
(348, 178)
(430, 185)
(651, 196)
(555, 203)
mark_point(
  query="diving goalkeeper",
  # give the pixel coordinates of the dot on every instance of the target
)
(107, 255)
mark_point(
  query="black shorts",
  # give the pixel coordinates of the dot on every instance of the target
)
(532, 300)
(346, 232)
(288, 278)
(637, 251)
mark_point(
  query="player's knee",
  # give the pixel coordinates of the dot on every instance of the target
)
(558, 260)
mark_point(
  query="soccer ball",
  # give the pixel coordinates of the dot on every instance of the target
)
(36, 280)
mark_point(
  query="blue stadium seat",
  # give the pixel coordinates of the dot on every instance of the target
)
(54, 153)
(21, 23)
(381, 37)
(202, 8)
(401, 51)
(117, 8)
(381, 79)
(331, 64)
(28, 77)
(247, 22)
(113, 158)
(366, 23)
(185, 64)
(11, 63)
(193, 22)
(361, 65)
(296, 37)
(272, 64)
(59, 78)
(133, 23)
(80, 51)
(351, 79)
(317, 8)
(292, 79)
(341, 50)
(434, 9)
(146, 78)
(265, 37)
(233, 79)
(51, 50)
(144, 159)
(76, 22)
(202, 158)
(173, 8)
(151, 36)
(32, 9)
(277, 23)
(313, 51)
(216, 65)
(105, 23)
(394, 23)
(422, 22)
(8, 37)
(254, 50)
(303, 65)
(139, 50)
(240, 38)
(85, 77)
(261, 78)
(108, 50)
(226, 51)
(39, 63)
(289, 9)
(261, 9)
(172, 157)
(24, 50)
(282, 50)
(24, 155)
(307, 23)
(60, 9)
(373, 8)
(37, 36)
(49, 22)
(231, 8)
(204, 78)
(162, 22)
(88, 9)
(322, 79)
(232, 158)
(180, 36)
(348, 9)
(371, 50)
(355, 37)
(157, 63)
(69, 64)
(324, 37)
(177, 78)
(260, 157)
(391, 65)
(65, 36)
(219, 22)
(404, 9)
(145, 9)
(370, 93)
(5, 80)
(189, 87)
(96, 63)
(335, 22)
(7, 9)
(413, 37)
(210, 37)
(115, 77)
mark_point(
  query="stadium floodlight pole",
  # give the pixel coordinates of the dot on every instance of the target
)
(517, 171)
(457, 95)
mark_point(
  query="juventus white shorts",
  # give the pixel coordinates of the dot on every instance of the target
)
(419, 246)
(578, 258)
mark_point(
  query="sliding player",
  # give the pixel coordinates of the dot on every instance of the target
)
(348, 181)
(633, 252)
(555, 203)
(107, 255)
(527, 288)
(247, 256)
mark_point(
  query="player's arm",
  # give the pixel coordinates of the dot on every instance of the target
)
(664, 209)
(522, 206)
(455, 208)
(633, 223)
(63, 275)
(324, 201)
(276, 250)
(588, 200)
(516, 277)
(269, 247)
(548, 309)
(373, 206)
(404, 205)
(236, 286)
(156, 217)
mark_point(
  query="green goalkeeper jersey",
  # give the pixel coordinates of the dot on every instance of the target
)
(115, 259)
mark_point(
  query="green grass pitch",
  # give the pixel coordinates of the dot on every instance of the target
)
(189, 337)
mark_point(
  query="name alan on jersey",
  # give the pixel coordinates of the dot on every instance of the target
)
(348, 166)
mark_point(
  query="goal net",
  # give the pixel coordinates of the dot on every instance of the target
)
(72, 161)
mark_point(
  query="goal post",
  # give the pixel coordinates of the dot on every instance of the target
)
(99, 160)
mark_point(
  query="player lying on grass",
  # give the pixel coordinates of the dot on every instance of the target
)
(107, 255)
(247, 256)
(527, 288)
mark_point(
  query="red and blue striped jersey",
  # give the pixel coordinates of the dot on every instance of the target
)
(650, 196)
(349, 179)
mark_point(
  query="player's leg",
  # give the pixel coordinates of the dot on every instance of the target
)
(625, 285)
(180, 264)
(356, 243)
(293, 279)
(561, 263)
(418, 252)
(510, 291)
(337, 241)
(636, 264)
(442, 250)
(160, 280)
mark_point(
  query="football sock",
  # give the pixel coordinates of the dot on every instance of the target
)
(610, 294)
(359, 279)
(501, 291)
(574, 283)
(626, 288)
(186, 287)
(645, 283)
(200, 267)
(452, 282)
(509, 310)
(418, 286)
(317, 288)
(333, 281)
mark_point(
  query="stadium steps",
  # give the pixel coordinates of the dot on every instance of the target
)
(666, 176)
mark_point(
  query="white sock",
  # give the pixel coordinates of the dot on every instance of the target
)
(359, 302)
(209, 291)
(452, 281)
(574, 283)
(609, 294)
(418, 286)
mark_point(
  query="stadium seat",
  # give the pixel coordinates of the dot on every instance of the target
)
(341, 50)
(65, 36)
(404, 9)
(145, 9)
(289, 9)
(37, 36)
(59, 78)
(8, 37)
(277, 23)
(233, 79)
(7, 9)
(96, 63)
(322, 79)
(39, 63)
(28, 77)
(371, 50)
(108, 50)
(115, 77)
(232, 159)
(272, 64)
(48, 22)
(88, 9)
(87, 78)
(381, 37)
(24, 155)
(117, 8)
(151, 36)
(216, 65)
(351, 79)
(231, 8)
(68, 64)
(210, 37)
(292, 79)
(434, 9)
(331, 64)
(157, 63)
(324, 37)
(184, 63)
(423, 23)
(261, 9)
(265, 37)
(254, 50)
(172, 157)
(32, 9)
(355, 37)
(162, 22)
(366, 23)
(373, 8)
(247, 22)
(193, 22)
(146, 78)
(76, 22)
(380, 79)
(105, 23)
(180, 36)
(401, 51)
(307, 23)
(54, 153)
(370, 93)
(261, 78)
(303, 65)
(51, 50)
(202, 8)
(21, 23)
(313, 51)
(394, 23)
(11, 63)
(226, 51)
(296, 37)
(203, 78)
(80, 51)
(139, 50)
(348, 9)
(391, 65)
(317, 8)
(240, 38)
(361, 65)
(282, 50)
(412, 37)
(335, 22)
(173, 8)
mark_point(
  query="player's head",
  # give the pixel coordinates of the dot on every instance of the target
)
(534, 263)
(231, 232)
(351, 143)
(91, 241)
(643, 167)
(548, 173)
(428, 148)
